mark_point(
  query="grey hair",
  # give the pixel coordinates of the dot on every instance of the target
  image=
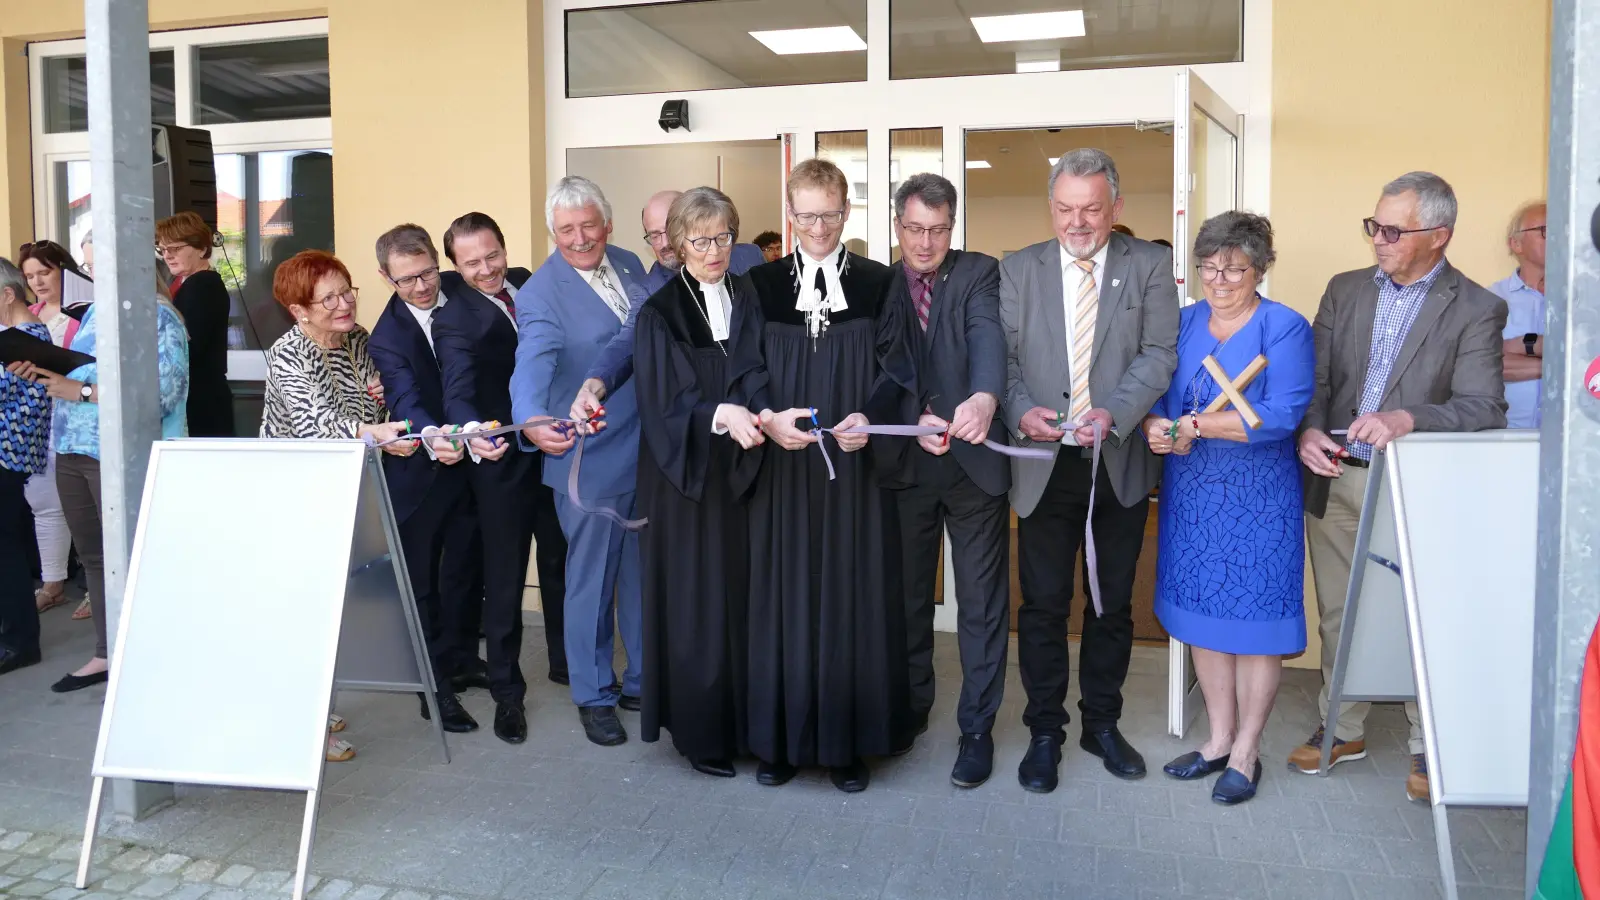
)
(1436, 200)
(1515, 225)
(11, 277)
(405, 240)
(696, 207)
(575, 192)
(1248, 233)
(88, 239)
(1082, 163)
(933, 190)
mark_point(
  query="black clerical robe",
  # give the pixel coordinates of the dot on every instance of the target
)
(828, 681)
(694, 551)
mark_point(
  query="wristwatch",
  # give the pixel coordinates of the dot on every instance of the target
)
(86, 392)
(1528, 340)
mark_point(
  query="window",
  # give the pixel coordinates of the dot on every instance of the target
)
(73, 206)
(848, 151)
(66, 92)
(911, 151)
(262, 81)
(935, 38)
(712, 44)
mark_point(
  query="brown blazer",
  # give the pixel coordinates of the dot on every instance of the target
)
(1448, 374)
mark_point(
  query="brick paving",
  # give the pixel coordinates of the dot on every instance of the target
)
(561, 818)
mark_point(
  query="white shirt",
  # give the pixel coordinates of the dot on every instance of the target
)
(829, 266)
(500, 304)
(718, 304)
(1071, 282)
(591, 276)
(425, 317)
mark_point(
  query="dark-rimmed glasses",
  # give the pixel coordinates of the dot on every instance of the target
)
(916, 231)
(703, 244)
(1230, 274)
(407, 282)
(1538, 228)
(348, 295)
(1391, 233)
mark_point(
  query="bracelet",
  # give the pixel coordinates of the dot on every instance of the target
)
(1194, 421)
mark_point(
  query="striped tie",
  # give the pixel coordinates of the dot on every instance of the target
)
(1083, 339)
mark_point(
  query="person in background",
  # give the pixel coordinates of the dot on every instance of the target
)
(771, 245)
(321, 383)
(47, 262)
(1523, 292)
(955, 482)
(1231, 492)
(184, 242)
(24, 442)
(1379, 385)
(1120, 228)
(566, 314)
(76, 433)
(1163, 242)
(86, 252)
(742, 258)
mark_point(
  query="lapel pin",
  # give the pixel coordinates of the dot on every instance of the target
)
(1116, 281)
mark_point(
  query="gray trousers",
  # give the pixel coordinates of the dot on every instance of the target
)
(1332, 540)
(78, 482)
(944, 497)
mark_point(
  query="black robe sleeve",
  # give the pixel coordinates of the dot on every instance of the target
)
(675, 413)
(747, 375)
(896, 397)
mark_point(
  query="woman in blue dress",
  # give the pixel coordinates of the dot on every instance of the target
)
(1230, 571)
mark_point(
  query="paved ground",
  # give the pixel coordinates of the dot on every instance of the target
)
(560, 818)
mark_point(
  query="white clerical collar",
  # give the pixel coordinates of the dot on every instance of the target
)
(816, 307)
(717, 304)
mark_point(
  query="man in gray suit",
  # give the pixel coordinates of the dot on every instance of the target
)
(1091, 324)
(1408, 345)
(956, 482)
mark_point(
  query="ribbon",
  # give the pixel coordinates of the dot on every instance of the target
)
(917, 431)
(572, 474)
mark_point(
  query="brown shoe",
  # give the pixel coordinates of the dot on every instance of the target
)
(1417, 781)
(1307, 758)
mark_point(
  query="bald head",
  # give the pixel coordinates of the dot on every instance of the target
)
(654, 218)
(1526, 240)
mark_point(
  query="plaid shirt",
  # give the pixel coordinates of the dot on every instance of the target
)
(1398, 306)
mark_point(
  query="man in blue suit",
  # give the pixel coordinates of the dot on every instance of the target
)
(614, 365)
(566, 312)
(427, 490)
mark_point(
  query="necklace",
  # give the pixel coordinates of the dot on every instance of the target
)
(683, 273)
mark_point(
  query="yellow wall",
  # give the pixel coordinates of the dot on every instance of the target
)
(429, 121)
(1365, 90)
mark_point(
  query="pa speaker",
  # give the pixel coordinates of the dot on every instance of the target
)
(185, 173)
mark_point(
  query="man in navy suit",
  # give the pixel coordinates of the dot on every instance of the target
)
(475, 336)
(956, 484)
(427, 490)
(566, 312)
(614, 365)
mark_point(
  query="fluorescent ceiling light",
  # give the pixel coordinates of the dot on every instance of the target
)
(978, 164)
(1043, 26)
(794, 41)
(1043, 65)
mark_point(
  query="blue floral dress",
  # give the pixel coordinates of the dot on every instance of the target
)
(1230, 573)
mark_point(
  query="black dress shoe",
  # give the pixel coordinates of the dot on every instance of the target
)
(475, 666)
(974, 760)
(631, 704)
(510, 722)
(774, 774)
(559, 677)
(1038, 769)
(462, 682)
(1193, 765)
(70, 683)
(453, 717)
(601, 725)
(11, 660)
(1233, 787)
(1119, 756)
(721, 768)
(851, 779)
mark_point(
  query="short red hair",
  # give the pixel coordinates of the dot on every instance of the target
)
(295, 282)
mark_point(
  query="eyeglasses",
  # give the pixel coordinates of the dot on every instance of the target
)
(1538, 228)
(1230, 274)
(807, 219)
(407, 282)
(1392, 233)
(348, 295)
(169, 249)
(702, 244)
(938, 231)
(652, 237)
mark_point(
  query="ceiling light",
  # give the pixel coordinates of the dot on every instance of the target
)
(1043, 26)
(978, 164)
(1038, 61)
(1054, 160)
(794, 41)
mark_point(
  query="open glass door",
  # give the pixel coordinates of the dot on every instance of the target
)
(1206, 167)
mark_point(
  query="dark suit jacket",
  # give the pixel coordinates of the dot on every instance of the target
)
(412, 389)
(962, 353)
(477, 349)
(1448, 374)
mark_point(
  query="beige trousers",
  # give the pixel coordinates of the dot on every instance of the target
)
(1332, 540)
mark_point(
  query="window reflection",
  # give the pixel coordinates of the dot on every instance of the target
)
(66, 92)
(911, 151)
(848, 151)
(262, 81)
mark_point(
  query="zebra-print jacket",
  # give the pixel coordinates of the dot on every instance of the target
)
(315, 392)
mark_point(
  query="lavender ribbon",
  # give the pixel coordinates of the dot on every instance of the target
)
(917, 431)
(572, 474)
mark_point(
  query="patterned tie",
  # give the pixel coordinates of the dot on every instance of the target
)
(609, 293)
(505, 297)
(1083, 339)
(921, 285)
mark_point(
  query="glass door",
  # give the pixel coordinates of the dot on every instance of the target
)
(1206, 180)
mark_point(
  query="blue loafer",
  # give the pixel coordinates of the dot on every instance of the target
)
(1234, 788)
(1192, 765)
